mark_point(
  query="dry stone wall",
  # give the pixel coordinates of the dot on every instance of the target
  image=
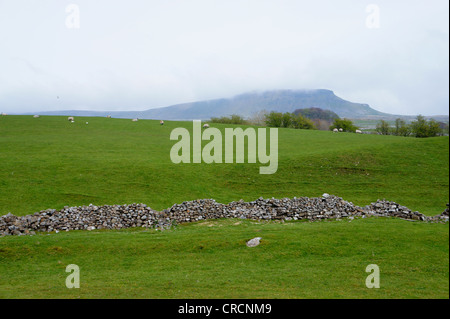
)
(140, 215)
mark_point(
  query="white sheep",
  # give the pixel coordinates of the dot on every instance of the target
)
(205, 125)
(70, 118)
(134, 120)
(341, 130)
(358, 131)
(36, 116)
(335, 130)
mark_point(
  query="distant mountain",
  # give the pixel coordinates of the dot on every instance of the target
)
(248, 104)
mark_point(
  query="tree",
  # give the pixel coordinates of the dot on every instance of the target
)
(237, 119)
(444, 128)
(434, 128)
(301, 122)
(233, 119)
(259, 118)
(277, 119)
(423, 128)
(274, 119)
(419, 127)
(383, 127)
(286, 120)
(345, 124)
(401, 128)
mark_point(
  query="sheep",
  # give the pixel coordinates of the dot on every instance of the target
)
(71, 119)
(36, 116)
(341, 130)
(134, 120)
(335, 130)
(358, 131)
(161, 122)
(4, 114)
(108, 116)
(205, 125)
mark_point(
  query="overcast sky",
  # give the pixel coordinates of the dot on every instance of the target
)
(136, 55)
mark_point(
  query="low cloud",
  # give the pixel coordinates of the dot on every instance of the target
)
(151, 53)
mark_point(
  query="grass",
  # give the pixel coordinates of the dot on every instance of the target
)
(51, 163)
(210, 260)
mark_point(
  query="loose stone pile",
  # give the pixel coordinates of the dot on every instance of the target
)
(83, 217)
(139, 215)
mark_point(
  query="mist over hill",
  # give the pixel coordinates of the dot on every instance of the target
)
(248, 104)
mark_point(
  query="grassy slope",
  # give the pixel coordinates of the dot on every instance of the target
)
(210, 260)
(49, 163)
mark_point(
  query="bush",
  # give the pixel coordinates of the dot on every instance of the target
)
(383, 128)
(401, 128)
(434, 128)
(423, 128)
(274, 119)
(258, 118)
(418, 128)
(288, 120)
(301, 122)
(345, 124)
(233, 119)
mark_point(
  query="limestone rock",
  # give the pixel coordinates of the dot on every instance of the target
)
(139, 215)
(253, 242)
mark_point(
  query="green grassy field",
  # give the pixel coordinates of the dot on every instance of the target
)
(50, 163)
(210, 260)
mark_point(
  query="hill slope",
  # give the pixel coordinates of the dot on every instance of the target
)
(249, 103)
(210, 260)
(49, 162)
